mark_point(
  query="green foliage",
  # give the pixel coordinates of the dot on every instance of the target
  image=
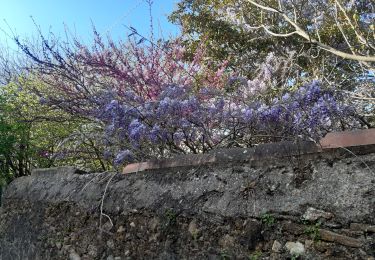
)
(33, 135)
(13, 143)
(224, 255)
(255, 256)
(268, 219)
(313, 231)
(171, 217)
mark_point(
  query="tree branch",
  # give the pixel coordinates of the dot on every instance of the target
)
(359, 36)
(305, 35)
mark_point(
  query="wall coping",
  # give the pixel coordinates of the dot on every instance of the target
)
(357, 139)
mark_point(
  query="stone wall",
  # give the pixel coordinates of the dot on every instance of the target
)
(310, 205)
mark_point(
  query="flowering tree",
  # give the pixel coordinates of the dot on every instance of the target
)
(148, 101)
(328, 40)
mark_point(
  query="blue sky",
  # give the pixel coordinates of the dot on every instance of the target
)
(108, 16)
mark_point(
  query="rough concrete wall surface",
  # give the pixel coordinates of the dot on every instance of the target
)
(320, 207)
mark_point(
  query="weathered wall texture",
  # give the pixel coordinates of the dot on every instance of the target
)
(319, 206)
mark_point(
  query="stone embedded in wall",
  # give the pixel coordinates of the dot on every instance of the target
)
(276, 246)
(341, 239)
(362, 227)
(295, 248)
(313, 214)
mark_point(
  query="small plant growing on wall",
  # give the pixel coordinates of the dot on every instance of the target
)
(255, 256)
(313, 231)
(268, 219)
(170, 216)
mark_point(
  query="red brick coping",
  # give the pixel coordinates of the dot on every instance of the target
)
(347, 139)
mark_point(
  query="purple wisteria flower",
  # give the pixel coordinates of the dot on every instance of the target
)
(123, 156)
(182, 119)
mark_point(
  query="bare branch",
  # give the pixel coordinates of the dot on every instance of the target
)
(305, 35)
(267, 8)
(278, 34)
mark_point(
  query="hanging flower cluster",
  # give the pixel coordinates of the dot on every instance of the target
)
(181, 120)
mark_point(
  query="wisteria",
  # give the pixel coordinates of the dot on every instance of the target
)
(193, 122)
(152, 103)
